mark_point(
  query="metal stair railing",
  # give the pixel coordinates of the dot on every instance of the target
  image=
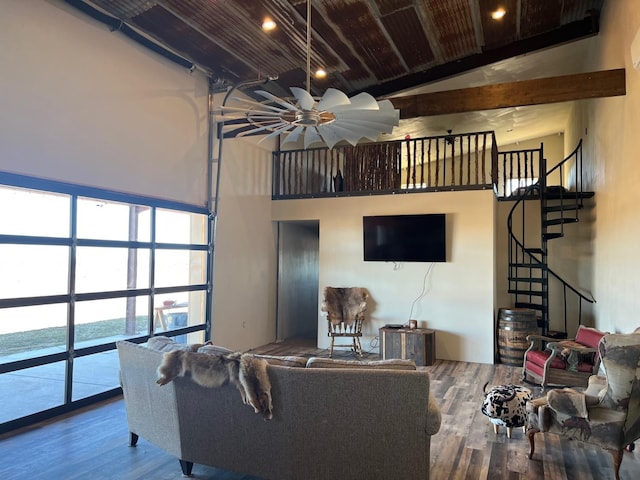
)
(528, 267)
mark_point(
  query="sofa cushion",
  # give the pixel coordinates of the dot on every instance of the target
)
(214, 350)
(284, 361)
(167, 344)
(392, 364)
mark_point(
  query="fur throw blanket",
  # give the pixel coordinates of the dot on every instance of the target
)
(246, 372)
(344, 304)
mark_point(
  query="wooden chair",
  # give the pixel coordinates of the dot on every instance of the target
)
(549, 361)
(607, 414)
(345, 309)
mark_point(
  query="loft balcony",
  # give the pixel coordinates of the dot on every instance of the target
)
(465, 161)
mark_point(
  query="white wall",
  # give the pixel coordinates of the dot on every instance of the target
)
(244, 283)
(609, 127)
(85, 105)
(458, 297)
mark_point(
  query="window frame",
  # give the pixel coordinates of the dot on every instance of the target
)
(71, 296)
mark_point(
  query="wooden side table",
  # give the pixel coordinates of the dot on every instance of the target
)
(418, 344)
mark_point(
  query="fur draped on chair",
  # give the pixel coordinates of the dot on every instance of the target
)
(345, 309)
(344, 304)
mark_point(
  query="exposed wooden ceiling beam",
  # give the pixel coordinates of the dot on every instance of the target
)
(566, 88)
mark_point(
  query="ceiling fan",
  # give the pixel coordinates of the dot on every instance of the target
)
(330, 119)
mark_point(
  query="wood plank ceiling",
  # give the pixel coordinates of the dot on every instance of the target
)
(388, 48)
(378, 46)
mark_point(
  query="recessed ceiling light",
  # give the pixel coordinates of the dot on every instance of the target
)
(320, 73)
(268, 24)
(498, 13)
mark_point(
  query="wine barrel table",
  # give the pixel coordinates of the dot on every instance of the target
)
(514, 324)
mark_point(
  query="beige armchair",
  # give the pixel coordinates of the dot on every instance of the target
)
(549, 361)
(345, 309)
(607, 414)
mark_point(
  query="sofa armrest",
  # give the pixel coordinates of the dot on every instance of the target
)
(434, 417)
(152, 411)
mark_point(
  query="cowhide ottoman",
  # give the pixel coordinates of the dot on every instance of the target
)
(505, 405)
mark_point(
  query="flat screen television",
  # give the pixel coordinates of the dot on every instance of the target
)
(405, 238)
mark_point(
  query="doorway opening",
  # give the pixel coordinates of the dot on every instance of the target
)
(298, 280)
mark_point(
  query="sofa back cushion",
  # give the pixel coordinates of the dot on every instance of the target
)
(167, 344)
(284, 361)
(392, 364)
(214, 350)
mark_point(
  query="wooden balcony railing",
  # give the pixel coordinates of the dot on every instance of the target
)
(446, 162)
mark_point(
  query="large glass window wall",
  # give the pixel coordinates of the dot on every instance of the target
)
(81, 269)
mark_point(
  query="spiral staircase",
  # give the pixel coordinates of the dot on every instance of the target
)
(529, 275)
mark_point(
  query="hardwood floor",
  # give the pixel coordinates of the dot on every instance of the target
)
(466, 447)
(93, 443)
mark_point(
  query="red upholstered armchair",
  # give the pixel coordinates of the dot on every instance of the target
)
(565, 362)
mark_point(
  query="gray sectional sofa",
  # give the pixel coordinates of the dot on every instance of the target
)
(331, 419)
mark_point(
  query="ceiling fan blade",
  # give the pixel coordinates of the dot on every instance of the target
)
(311, 136)
(305, 100)
(294, 135)
(352, 133)
(263, 128)
(231, 116)
(234, 132)
(332, 99)
(378, 115)
(386, 105)
(371, 130)
(387, 108)
(372, 124)
(332, 135)
(363, 101)
(258, 105)
(258, 108)
(248, 115)
(278, 100)
(276, 132)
